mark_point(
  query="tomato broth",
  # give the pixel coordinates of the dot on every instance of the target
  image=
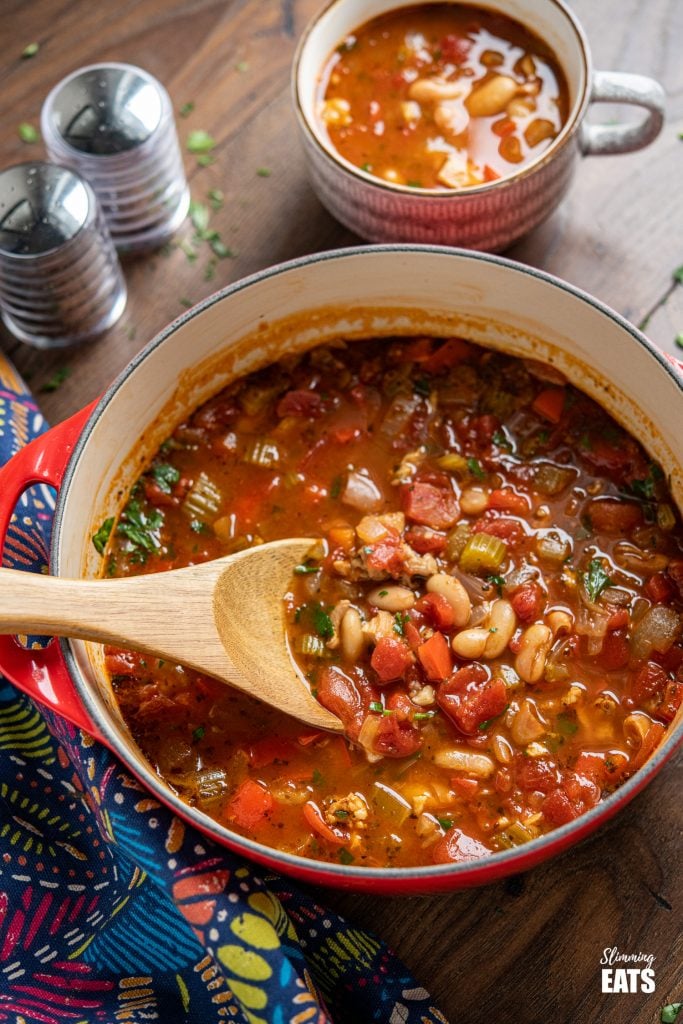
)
(442, 96)
(493, 609)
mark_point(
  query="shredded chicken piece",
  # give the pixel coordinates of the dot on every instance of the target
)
(417, 565)
(336, 615)
(380, 625)
(408, 466)
(424, 695)
(574, 695)
(350, 811)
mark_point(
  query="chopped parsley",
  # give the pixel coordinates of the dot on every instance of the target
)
(335, 487)
(139, 527)
(317, 778)
(496, 581)
(400, 619)
(322, 623)
(445, 823)
(30, 51)
(345, 857)
(56, 380)
(200, 141)
(197, 526)
(595, 580)
(198, 733)
(186, 109)
(165, 476)
(199, 215)
(377, 707)
(501, 440)
(644, 490)
(669, 1014)
(341, 815)
(220, 249)
(567, 724)
(475, 469)
(28, 132)
(422, 387)
(100, 538)
(216, 197)
(483, 726)
(263, 172)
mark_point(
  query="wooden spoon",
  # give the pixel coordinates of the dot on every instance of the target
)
(224, 618)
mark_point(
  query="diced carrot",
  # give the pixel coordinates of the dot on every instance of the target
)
(619, 619)
(451, 352)
(249, 805)
(342, 537)
(269, 749)
(437, 610)
(307, 738)
(490, 174)
(465, 787)
(435, 657)
(659, 588)
(315, 822)
(390, 658)
(550, 404)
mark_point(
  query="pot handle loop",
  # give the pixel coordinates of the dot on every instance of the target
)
(621, 87)
(41, 673)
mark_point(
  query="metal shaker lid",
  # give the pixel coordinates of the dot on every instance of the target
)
(42, 206)
(106, 109)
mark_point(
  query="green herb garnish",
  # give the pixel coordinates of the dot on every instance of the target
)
(678, 340)
(197, 526)
(242, 66)
(322, 623)
(376, 706)
(139, 526)
(165, 476)
(263, 172)
(199, 215)
(423, 716)
(501, 440)
(678, 274)
(30, 51)
(200, 141)
(184, 301)
(220, 249)
(317, 778)
(306, 569)
(669, 1014)
(341, 815)
(198, 733)
(595, 580)
(186, 109)
(100, 538)
(422, 387)
(400, 619)
(445, 823)
(215, 198)
(496, 581)
(28, 132)
(475, 469)
(335, 487)
(57, 379)
(567, 724)
(483, 726)
(345, 857)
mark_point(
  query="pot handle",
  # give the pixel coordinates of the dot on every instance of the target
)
(41, 673)
(621, 87)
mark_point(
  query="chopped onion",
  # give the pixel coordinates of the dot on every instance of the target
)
(479, 765)
(553, 545)
(550, 479)
(361, 492)
(656, 631)
(390, 803)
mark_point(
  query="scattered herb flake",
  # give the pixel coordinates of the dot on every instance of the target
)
(28, 132)
(376, 706)
(187, 303)
(186, 109)
(423, 716)
(242, 66)
(445, 823)
(366, 167)
(678, 274)
(56, 380)
(496, 581)
(139, 526)
(200, 141)
(400, 619)
(189, 250)
(335, 487)
(263, 172)
(318, 779)
(322, 623)
(216, 198)
(100, 538)
(199, 215)
(483, 726)
(210, 270)
(501, 440)
(475, 469)
(345, 857)
(197, 526)
(678, 340)
(198, 733)
(595, 580)
(567, 724)
(669, 1014)
(422, 387)
(221, 249)
(205, 160)
(341, 814)
(30, 51)
(165, 476)
(305, 569)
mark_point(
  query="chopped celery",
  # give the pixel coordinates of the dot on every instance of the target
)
(311, 645)
(457, 539)
(203, 499)
(452, 462)
(551, 479)
(262, 453)
(390, 803)
(483, 553)
(515, 834)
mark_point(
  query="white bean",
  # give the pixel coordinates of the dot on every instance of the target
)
(636, 727)
(470, 643)
(502, 623)
(560, 622)
(432, 90)
(479, 765)
(530, 660)
(492, 97)
(526, 725)
(351, 634)
(456, 595)
(474, 501)
(391, 598)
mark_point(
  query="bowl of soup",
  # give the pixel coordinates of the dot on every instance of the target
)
(494, 605)
(454, 123)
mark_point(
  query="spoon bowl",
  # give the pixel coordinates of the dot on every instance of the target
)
(224, 618)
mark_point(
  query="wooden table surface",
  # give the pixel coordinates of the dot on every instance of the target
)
(526, 950)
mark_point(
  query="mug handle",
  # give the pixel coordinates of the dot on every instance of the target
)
(42, 673)
(621, 87)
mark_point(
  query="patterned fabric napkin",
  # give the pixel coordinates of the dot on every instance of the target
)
(112, 909)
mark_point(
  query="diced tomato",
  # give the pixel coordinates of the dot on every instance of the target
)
(347, 695)
(536, 774)
(386, 555)
(164, 499)
(306, 404)
(425, 541)
(558, 809)
(317, 824)
(455, 49)
(418, 350)
(619, 619)
(248, 805)
(615, 652)
(464, 787)
(412, 635)
(435, 657)
(400, 702)
(659, 588)
(675, 573)
(471, 703)
(430, 506)
(619, 460)
(270, 749)
(528, 602)
(450, 353)
(607, 515)
(506, 500)
(457, 846)
(396, 737)
(508, 530)
(575, 795)
(390, 658)
(437, 610)
(649, 682)
(549, 403)
(671, 701)
(652, 740)
(122, 663)
(603, 769)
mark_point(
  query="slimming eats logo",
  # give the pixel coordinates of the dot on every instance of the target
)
(627, 972)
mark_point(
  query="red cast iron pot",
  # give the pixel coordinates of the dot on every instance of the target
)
(96, 455)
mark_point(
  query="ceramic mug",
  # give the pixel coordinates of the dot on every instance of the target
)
(490, 216)
(96, 456)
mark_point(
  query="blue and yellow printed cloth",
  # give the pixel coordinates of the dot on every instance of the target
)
(112, 909)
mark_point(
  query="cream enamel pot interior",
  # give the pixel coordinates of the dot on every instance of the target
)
(351, 293)
(490, 216)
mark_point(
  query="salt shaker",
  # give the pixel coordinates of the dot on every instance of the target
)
(60, 278)
(114, 124)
